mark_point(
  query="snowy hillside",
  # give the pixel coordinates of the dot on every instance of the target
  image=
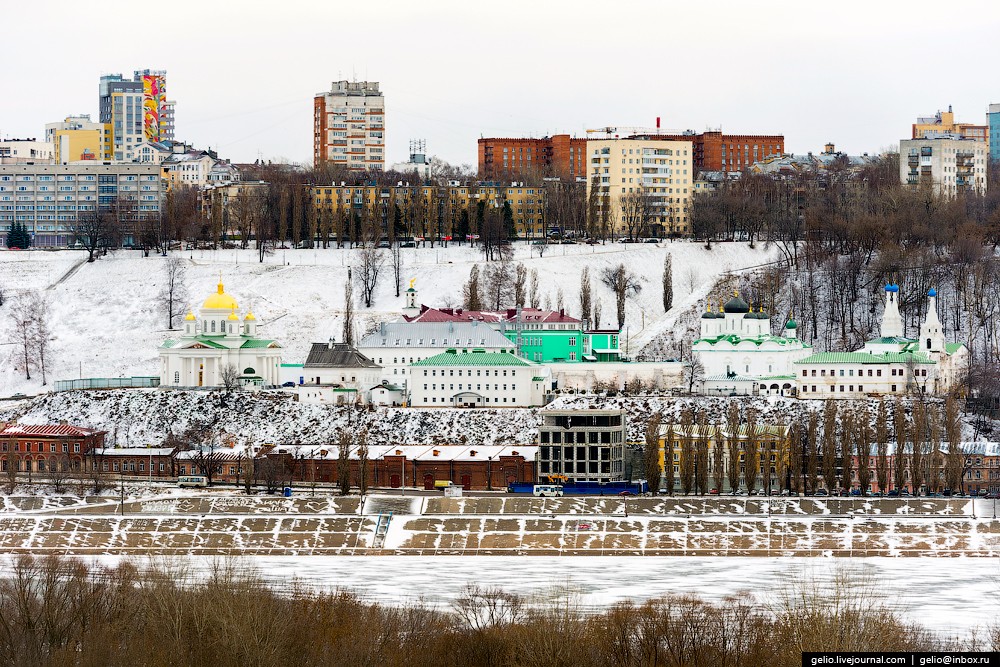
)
(107, 321)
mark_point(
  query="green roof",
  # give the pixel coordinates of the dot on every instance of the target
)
(892, 340)
(865, 358)
(736, 339)
(255, 342)
(208, 342)
(538, 379)
(473, 359)
(952, 348)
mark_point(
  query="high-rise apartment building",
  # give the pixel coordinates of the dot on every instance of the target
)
(48, 198)
(560, 155)
(79, 138)
(137, 110)
(660, 170)
(349, 126)
(949, 165)
(993, 122)
(943, 123)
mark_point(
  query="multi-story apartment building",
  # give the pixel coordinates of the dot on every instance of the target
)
(79, 138)
(448, 212)
(661, 170)
(715, 151)
(22, 151)
(137, 110)
(943, 123)
(349, 126)
(948, 164)
(993, 121)
(583, 445)
(560, 155)
(48, 198)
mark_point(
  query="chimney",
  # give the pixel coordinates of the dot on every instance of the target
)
(381, 328)
(657, 122)
(329, 344)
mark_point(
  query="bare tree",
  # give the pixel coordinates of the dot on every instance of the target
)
(863, 448)
(830, 446)
(687, 451)
(559, 299)
(94, 231)
(597, 313)
(60, 473)
(899, 452)
(230, 377)
(42, 333)
(472, 292)
(733, 445)
(363, 461)
(396, 259)
(955, 458)
(651, 451)
(586, 298)
(533, 297)
(636, 210)
(668, 459)
(23, 317)
(623, 283)
(344, 462)
(751, 468)
(348, 332)
(499, 284)
(520, 285)
(668, 284)
(174, 294)
(812, 453)
(882, 448)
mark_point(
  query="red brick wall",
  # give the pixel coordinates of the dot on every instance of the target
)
(550, 156)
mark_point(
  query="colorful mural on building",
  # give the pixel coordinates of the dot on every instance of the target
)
(154, 98)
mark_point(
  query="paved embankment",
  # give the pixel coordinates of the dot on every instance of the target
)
(217, 524)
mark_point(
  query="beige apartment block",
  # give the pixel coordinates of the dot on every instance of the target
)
(948, 166)
(661, 170)
(349, 126)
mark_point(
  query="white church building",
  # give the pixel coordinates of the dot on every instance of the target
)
(890, 364)
(740, 355)
(219, 338)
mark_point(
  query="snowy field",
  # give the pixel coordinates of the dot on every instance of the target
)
(950, 596)
(107, 321)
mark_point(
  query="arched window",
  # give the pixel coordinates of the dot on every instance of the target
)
(928, 343)
(177, 377)
(213, 326)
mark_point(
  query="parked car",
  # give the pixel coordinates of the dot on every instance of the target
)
(383, 244)
(651, 241)
(568, 242)
(626, 492)
(288, 384)
(822, 492)
(407, 244)
(713, 492)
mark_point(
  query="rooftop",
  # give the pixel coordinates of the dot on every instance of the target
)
(474, 358)
(337, 355)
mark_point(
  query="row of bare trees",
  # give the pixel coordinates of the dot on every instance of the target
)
(843, 448)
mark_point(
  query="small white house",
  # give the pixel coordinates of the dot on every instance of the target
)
(337, 373)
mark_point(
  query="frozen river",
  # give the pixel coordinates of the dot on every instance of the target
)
(948, 595)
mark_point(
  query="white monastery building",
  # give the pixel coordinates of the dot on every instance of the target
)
(478, 379)
(891, 364)
(216, 339)
(740, 355)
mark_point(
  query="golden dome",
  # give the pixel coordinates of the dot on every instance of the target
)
(220, 300)
(250, 317)
(189, 317)
(232, 316)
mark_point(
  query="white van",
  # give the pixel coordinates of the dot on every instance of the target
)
(192, 480)
(543, 490)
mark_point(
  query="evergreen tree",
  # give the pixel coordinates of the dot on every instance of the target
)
(18, 236)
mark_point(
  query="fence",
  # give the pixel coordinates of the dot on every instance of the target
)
(108, 383)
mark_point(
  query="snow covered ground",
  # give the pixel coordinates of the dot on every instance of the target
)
(950, 596)
(107, 321)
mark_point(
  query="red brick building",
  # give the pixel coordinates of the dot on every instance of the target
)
(559, 155)
(715, 151)
(155, 462)
(43, 447)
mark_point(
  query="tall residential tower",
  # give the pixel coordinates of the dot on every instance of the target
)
(137, 110)
(349, 126)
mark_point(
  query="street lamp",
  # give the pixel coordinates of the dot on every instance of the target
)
(489, 473)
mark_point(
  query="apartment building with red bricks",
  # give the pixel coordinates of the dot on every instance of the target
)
(715, 151)
(559, 155)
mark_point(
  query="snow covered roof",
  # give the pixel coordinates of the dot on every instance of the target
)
(474, 358)
(48, 430)
(412, 452)
(435, 334)
(865, 358)
(134, 451)
(510, 315)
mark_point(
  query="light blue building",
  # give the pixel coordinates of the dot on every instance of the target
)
(993, 120)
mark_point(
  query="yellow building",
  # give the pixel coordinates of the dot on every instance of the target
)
(692, 447)
(943, 123)
(78, 138)
(661, 170)
(436, 212)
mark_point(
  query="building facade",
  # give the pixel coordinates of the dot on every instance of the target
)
(477, 379)
(582, 445)
(948, 165)
(136, 110)
(47, 447)
(661, 170)
(349, 126)
(943, 123)
(337, 373)
(78, 138)
(219, 347)
(560, 155)
(715, 151)
(993, 123)
(26, 151)
(49, 198)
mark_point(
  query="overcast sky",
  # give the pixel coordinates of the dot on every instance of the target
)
(244, 72)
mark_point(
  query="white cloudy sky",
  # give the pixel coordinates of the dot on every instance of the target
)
(244, 72)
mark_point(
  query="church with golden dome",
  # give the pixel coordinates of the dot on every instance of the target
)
(219, 338)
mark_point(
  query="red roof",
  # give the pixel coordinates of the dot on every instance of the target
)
(47, 430)
(509, 315)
